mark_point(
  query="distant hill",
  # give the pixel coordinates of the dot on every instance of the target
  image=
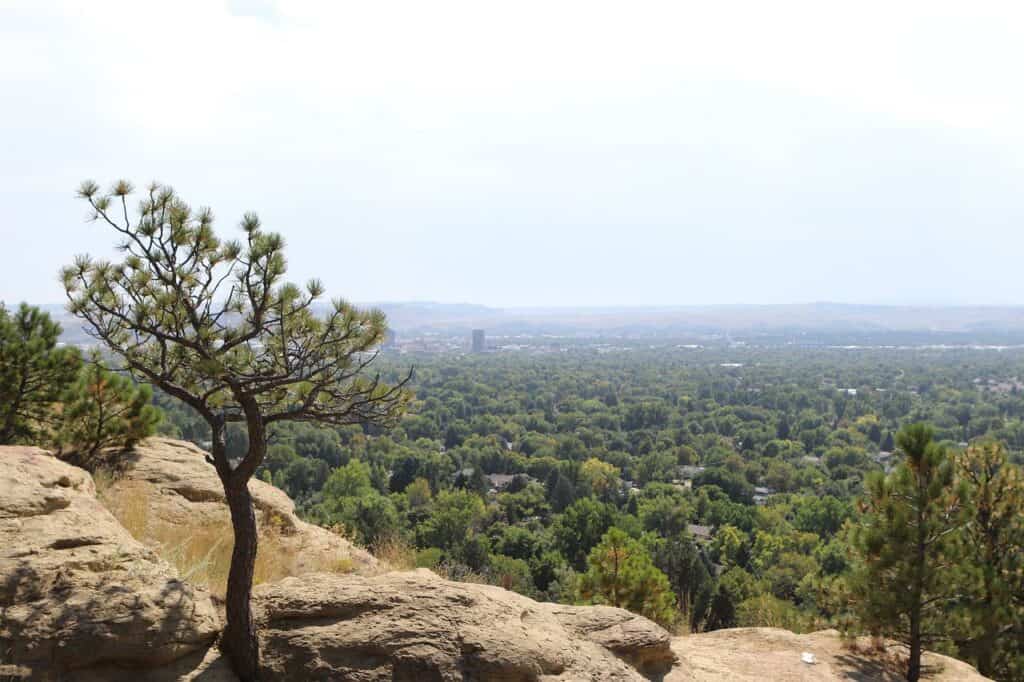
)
(792, 323)
(864, 323)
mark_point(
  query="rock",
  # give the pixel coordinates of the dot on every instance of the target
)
(182, 488)
(76, 590)
(628, 636)
(417, 626)
(755, 654)
(81, 600)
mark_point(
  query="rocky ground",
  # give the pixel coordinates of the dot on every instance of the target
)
(83, 600)
(183, 490)
(76, 590)
(757, 654)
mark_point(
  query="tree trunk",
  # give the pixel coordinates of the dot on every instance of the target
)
(914, 661)
(238, 641)
(239, 638)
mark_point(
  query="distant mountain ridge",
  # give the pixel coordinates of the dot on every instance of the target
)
(961, 324)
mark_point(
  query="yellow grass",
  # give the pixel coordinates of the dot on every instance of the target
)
(395, 554)
(201, 552)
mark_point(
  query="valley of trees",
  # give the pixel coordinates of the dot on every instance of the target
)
(877, 491)
(704, 488)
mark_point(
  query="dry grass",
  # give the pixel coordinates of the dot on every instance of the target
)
(395, 554)
(201, 552)
(890, 655)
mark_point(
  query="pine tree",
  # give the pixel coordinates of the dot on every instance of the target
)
(102, 410)
(906, 539)
(34, 371)
(993, 565)
(620, 573)
(683, 563)
(213, 324)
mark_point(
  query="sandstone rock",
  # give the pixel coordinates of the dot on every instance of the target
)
(416, 626)
(183, 489)
(756, 654)
(76, 590)
(82, 601)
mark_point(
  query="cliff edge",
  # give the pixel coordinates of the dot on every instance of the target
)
(82, 599)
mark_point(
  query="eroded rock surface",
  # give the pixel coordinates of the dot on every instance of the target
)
(82, 601)
(76, 590)
(417, 626)
(184, 490)
(756, 654)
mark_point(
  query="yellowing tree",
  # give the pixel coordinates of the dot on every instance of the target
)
(600, 477)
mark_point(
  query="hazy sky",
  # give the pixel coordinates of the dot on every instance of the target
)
(538, 153)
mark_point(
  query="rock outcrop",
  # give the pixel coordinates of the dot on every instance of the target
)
(757, 654)
(81, 600)
(76, 590)
(182, 489)
(416, 626)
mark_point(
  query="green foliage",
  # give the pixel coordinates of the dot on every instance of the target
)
(906, 540)
(992, 572)
(620, 573)
(766, 610)
(34, 373)
(789, 560)
(511, 574)
(350, 500)
(104, 410)
(454, 520)
(581, 527)
(682, 562)
(213, 324)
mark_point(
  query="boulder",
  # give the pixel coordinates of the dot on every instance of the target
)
(417, 626)
(755, 654)
(182, 489)
(77, 592)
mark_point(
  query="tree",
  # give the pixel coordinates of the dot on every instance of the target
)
(34, 372)
(213, 324)
(620, 573)
(418, 494)
(906, 540)
(454, 520)
(103, 409)
(993, 546)
(600, 478)
(560, 490)
(679, 558)
(581, 527)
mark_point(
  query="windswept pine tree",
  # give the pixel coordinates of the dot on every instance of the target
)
(907, 540)
(213, 323)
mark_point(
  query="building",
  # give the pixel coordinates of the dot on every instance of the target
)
(479, 341)
(762, 494)
(701, 534)
(691, 471)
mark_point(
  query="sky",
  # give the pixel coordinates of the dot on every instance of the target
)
(570, 153)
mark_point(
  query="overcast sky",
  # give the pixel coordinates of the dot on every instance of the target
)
(538, 153)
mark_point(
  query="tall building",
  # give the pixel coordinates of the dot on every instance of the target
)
(479, 342)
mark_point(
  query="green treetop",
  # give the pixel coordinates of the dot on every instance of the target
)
(907, 542)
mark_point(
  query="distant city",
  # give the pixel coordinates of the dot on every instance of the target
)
(465, 328)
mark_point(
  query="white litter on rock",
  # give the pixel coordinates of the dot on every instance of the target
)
(808, 658)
